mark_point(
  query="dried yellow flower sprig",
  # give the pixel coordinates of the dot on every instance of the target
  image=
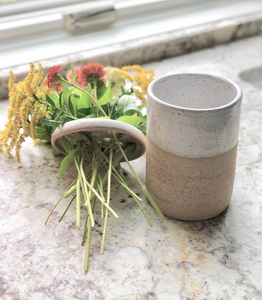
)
(24, 111)
(141, 79)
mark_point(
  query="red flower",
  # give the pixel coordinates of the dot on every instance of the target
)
(91, 73)
(51, 76)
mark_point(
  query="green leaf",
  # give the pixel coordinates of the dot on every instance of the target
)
(67, 161)
(56, 153)
(61, 100)
(65, 164)
(73, 74)
(104, 118)
(83, 112)
(67, 145)
(101, 89)
(127, 103)
(143, 128)
(117, 114)
(55, 100)
(42, 133)
(104, 99)
(71, 106)
(49, 100)
(142, 105)
(130, 149)
(132, 120)
(67, 119)
(85, 100)
(35, 97)
(93, 115)
(122, 89)
(66, 93)
(52, 123)
(111, 95)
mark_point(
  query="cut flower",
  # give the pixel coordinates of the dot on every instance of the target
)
(45, 88)
(115, 79)
(91, 73)
(69, 75)
(51, 78)
(34, 112)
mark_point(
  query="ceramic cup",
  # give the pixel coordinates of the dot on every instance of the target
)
(192, 137)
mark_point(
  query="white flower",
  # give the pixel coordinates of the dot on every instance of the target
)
(114, 79)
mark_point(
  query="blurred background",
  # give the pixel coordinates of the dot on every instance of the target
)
(116, 32)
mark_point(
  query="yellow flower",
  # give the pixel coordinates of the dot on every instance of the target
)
(24, 112)
(140, 79)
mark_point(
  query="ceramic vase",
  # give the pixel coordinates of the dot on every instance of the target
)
(192, 138)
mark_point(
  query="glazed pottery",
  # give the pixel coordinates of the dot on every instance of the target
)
(192, 136)
(101, 130)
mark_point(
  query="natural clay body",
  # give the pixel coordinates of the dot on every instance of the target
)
(190, 188)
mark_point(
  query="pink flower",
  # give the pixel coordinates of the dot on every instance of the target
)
(69, 75)
(51, 78)
(91, 73)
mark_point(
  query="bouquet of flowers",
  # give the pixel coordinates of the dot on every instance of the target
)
(43, 108)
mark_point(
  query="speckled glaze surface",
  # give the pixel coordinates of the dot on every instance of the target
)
(102, 130)
(193, 124)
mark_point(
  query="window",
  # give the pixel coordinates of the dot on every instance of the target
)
(74, 30)
(25, 17)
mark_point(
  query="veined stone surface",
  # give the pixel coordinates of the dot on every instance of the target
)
(217, 259)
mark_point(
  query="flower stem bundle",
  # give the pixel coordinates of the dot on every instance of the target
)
(41, 106)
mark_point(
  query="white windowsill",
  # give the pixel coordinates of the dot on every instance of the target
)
(46, 46)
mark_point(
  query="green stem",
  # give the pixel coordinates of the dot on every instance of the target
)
(59, 201)
(66, 209)
(102, 201)
(85, 192)
(70, 192)
(95, 86)
(119, 178)
(108, 198)
(144, 189)
(94, 175)
(88, 244)
(100, 189)
(135, 198)
(120, 171)
(85, 230)
(71, 186)
(57, 108)
(78, 202)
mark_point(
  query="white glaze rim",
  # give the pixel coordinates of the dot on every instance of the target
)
(94, 125)
(231, 103)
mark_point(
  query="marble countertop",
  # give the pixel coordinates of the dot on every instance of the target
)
(217, 259)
